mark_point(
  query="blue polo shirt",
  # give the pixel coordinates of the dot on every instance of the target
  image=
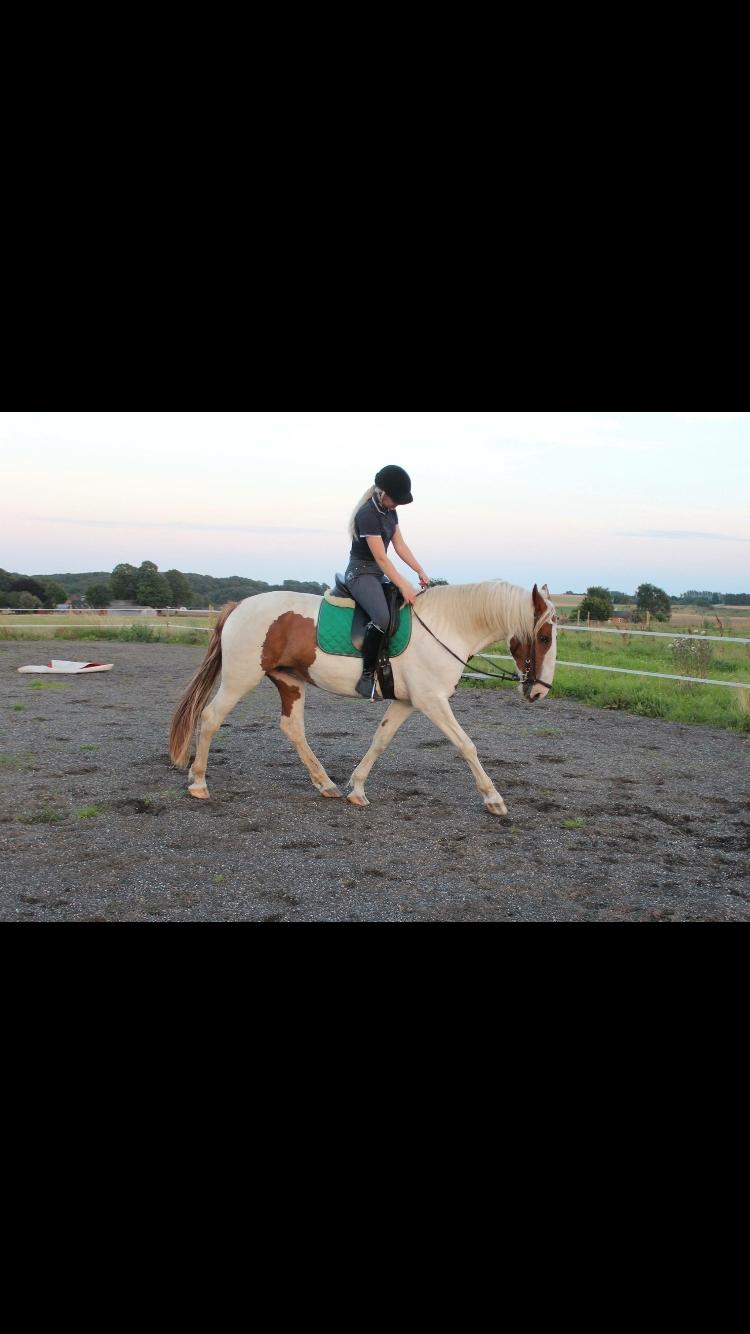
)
(372, 521)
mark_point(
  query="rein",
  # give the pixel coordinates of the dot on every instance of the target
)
(498, 672)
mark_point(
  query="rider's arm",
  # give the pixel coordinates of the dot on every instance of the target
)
(408, 557)
(377, 548)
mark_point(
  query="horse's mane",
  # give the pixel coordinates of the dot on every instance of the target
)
(496, 605)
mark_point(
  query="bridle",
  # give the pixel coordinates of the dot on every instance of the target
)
(529, 661)
(528, 679)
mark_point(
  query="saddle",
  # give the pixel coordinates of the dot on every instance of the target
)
(340, 596)
(361, 620)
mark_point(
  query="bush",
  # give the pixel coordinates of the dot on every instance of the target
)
(692, 657)
(597, 608)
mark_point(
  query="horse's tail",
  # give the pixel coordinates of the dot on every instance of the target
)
(188, 711)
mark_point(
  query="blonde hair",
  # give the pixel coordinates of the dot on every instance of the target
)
(369, 493)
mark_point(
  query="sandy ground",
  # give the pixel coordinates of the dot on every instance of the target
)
(665, 809)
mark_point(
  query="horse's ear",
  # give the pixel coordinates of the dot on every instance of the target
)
(545, 591)
(540, 605)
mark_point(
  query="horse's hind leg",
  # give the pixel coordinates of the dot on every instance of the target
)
(395, 715)
(292, 724)
(211, 719)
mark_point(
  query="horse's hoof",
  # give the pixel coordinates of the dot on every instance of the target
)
(331, 792)
(496, 807)
(200, 792)
(357, 801)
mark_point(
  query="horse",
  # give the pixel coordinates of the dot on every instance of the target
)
(274, 634)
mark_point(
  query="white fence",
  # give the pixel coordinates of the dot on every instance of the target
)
(171, 615)
(629, 671)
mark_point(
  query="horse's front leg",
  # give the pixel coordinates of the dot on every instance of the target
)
(439, 711)
(395, 715)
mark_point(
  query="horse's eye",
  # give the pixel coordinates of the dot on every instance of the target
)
(545, 639)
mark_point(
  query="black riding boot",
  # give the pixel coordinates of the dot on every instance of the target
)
(370, 649)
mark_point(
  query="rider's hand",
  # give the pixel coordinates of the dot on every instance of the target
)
(408, 594)
(424, 579)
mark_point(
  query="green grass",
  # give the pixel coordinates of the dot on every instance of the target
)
(140, 634)
(572, 824)
(46, 816)
(47, 685)
(676, 701)
(88, 812)
(11, 761)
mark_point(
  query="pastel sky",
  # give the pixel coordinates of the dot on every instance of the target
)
(564, 498)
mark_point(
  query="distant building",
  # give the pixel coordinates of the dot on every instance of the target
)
(621, 617)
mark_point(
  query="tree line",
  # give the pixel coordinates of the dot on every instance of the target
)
(145, 586)
(142, 585)
(650, 602)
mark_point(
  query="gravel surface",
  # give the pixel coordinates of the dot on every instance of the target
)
(664, 806)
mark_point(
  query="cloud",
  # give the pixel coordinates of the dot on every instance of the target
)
(684, 535)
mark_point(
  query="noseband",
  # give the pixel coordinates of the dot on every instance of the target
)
(528, 678)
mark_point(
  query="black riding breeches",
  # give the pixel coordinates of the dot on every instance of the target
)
(365, 583)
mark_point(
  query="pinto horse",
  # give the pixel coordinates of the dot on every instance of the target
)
(274, 635)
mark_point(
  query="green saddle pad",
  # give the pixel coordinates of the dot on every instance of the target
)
(335, 631)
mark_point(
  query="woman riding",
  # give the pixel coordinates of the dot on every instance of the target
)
(373, 525)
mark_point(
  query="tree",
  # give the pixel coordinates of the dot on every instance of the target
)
(599, 609)
(597, 603)
(653, 600)
(55, 592)
(123, 582)
(152, 589)
(702, 598)
(182, 593)
(434, 582)
(98, 595)
(27, 585)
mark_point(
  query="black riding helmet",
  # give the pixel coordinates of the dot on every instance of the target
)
(396, 483)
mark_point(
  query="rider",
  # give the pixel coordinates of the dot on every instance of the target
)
(373, 525)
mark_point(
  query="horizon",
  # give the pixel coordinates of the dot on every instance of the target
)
(567, 499)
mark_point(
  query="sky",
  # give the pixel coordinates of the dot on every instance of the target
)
(569, 499)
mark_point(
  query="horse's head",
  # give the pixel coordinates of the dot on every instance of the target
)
(535, 656)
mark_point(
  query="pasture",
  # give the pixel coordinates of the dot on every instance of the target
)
(612, 816)
(679, 701)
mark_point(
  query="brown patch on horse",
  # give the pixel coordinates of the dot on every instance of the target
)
(289, 693)
(519, 652)
(289, 645)
(535, 648)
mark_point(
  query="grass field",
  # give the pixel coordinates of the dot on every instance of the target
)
(675, 700)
